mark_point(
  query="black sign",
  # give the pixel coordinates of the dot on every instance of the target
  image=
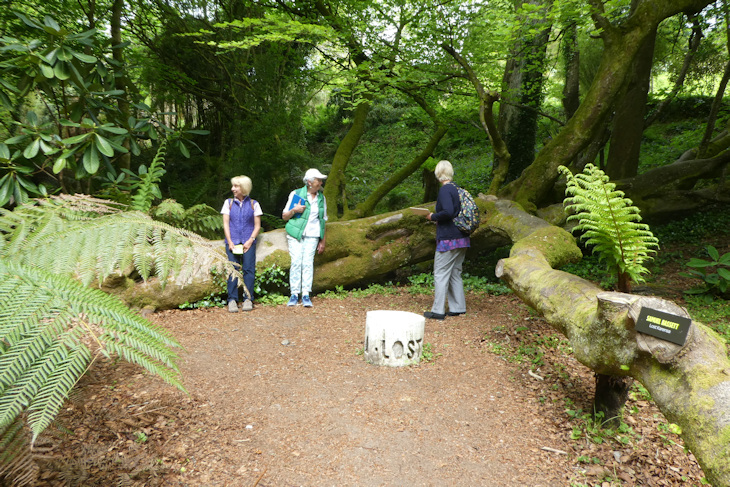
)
(663, 325)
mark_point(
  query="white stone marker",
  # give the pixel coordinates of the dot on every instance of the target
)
(393, 338)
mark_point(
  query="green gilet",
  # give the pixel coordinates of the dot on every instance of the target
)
(295, 226)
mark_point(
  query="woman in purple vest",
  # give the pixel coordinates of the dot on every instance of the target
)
(241, 224)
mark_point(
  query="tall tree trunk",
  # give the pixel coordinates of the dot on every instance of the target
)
(571, 59)
(522, 86)
(694, 44)
(119, 81)
(621, 46)
(367, 207)
(334, 190)
(628, 121)
(717, 102)
(486, 118)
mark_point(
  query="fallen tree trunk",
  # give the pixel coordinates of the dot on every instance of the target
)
(360, 251)
(690, 384)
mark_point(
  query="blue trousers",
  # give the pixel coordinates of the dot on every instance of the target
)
(246, 263)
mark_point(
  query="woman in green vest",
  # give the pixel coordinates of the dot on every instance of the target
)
(305, 213)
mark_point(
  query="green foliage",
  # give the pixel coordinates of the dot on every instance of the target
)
(714, 273)
(483, 285)
(663, 144)
(593, 427)
(715, 314)
(93, 239)
(211, 301)
(144, 186)
(200, 219)
(609, 222)
(52, 326)
(696, 227)
(272, 280)
(65, 111)
(373, 289)
(591, 269)
(428, 354)
(421, 283)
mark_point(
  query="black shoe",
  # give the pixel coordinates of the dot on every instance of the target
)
(453, 313)
(434, 316)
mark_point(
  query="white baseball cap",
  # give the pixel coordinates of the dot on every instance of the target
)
(313, 174)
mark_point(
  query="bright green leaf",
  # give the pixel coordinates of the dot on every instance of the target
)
(76, 138)
(62, 71)
(91, 159)
(64, 53)
(59, 165)
(104, 146)
(84, 57)
(46, 70)
(32, 149)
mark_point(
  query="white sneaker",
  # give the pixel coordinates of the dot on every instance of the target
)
(247, 305)
(232, 306)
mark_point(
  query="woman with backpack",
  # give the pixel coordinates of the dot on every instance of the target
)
(451, 245)
(241, 225)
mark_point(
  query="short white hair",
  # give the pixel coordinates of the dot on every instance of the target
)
(444, 171)
(244, 184)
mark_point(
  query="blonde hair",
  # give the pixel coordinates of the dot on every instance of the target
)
(444, 171)
(244, 184)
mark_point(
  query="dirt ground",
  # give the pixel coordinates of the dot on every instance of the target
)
(283, 397)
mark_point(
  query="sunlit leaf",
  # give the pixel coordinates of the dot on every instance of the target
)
(46, 70)
(32, 150)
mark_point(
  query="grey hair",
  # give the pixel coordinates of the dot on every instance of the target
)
(444, 171)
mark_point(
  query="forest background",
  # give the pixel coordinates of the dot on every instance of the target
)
(156, 104)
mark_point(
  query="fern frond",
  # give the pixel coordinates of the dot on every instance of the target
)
(146, 188)
(17, 466)
(98, 241)
(201, 218)
(50, 398)
(608, 222)
(49, 339)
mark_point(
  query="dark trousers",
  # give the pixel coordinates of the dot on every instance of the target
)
(246, 263)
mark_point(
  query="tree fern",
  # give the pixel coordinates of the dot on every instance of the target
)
(201, 219)
(52, 325)
(93, 239)
(16, 461)
(48, 349)
(609, 223)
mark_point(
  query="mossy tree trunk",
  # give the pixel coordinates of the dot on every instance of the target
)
(334, 190)
(486, 117)
(367, 207)
(622, 44)
(522, 88)
(628, 121)
(690, 384)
